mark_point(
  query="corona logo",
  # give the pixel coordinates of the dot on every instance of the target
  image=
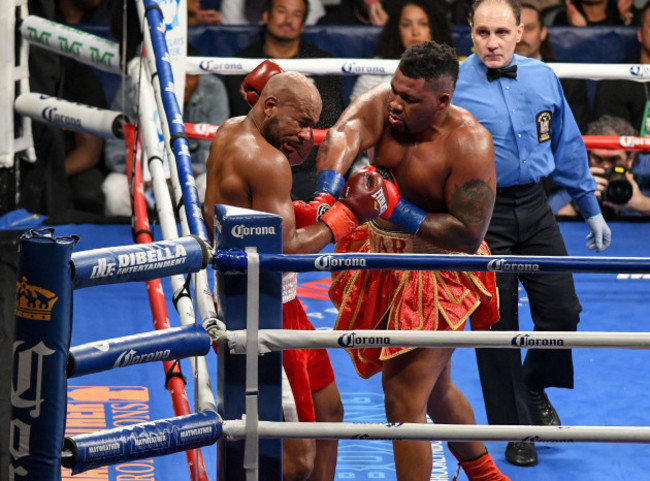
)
(347, 67)
(352, 67)
(216, 67)
(240, 231)
(131, 357)
(525, 340)
(631, 142)
(205, 65)
(626, 141)
(329, 262)
(51, 114)
(205, 129)
(502, 265)
(33, 302)
(641, 71)
(352, 339)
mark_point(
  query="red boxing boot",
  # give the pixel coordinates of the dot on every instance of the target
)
(479, 469)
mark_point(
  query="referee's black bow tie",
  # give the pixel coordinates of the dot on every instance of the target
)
(508, 72)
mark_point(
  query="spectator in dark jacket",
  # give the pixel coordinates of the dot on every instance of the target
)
(284, 22)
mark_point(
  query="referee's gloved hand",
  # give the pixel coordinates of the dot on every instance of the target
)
(600, 236)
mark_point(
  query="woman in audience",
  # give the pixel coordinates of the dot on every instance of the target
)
(410, 22)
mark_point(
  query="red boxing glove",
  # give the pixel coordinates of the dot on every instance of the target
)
(364, 198)
(393, 199)
(255, 81)
(310, 213)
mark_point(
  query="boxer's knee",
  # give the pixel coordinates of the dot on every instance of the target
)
(298, 457)
(401, 407)
(334, 413)
(327, 404)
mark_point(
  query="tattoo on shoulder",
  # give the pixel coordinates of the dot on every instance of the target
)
(474, 200)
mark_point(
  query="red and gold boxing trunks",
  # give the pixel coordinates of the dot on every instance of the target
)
(308, 370)
(406, 300)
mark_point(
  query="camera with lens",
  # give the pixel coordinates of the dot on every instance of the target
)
(619, 189)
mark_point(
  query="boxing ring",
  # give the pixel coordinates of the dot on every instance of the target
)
(246, 243)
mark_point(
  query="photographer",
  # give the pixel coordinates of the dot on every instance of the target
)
(623, 177)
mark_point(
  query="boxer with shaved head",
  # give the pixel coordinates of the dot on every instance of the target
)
(250, 166)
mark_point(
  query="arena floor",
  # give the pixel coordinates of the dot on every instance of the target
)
(612, 386)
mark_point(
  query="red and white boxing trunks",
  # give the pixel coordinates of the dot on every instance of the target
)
(308, 370)
(406, 300)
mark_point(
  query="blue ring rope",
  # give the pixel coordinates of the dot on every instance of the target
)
(235, 262)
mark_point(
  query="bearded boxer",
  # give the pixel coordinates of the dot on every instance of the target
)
(250, 166)
(440, 164)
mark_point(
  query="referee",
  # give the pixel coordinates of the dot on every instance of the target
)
(520, 101)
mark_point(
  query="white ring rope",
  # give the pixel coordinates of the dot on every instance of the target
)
(235, 430)
(280, 339)
(103, 54)
(363, 66)
(71, 115)
(71, 42)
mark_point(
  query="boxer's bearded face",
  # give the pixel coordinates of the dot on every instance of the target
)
(411, 108)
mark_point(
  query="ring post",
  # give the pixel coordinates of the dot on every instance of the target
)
(40, 352)
(237, 228)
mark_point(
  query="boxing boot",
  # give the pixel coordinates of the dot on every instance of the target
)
(479, 469)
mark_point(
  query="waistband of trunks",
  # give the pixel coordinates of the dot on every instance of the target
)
(397, 241)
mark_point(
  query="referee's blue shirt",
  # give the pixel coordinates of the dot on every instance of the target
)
(534, 132)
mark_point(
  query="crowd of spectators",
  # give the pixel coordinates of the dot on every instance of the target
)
(282, 22)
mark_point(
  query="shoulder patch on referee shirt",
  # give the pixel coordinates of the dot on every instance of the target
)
(543, 120)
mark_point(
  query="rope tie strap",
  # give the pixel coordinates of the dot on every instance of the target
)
(171, 373)
(216, 329)
(179, 206)
(183, 292)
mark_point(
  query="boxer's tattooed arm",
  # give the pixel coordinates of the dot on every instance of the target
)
(472, 203)
(468, 214)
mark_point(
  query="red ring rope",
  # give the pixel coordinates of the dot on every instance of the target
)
(207, 131)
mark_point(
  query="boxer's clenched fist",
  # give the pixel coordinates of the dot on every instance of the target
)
(364, 197)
